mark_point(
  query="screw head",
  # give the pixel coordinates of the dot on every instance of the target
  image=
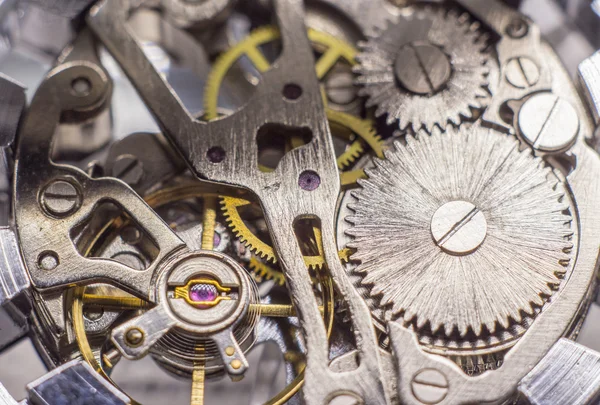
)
(548, 123)
(60, 198)
(458, 227)
(134, 337)
(340, 87)
(429, 386)
(129, 169)
(422, 68)
(522, 72)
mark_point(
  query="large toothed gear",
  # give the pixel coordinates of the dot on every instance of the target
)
(428, 69)
(460, 232)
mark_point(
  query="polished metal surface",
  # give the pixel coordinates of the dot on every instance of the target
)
(12, 104)
(13, 277)
(548, 123)
(589, 79)
(5, 397)
(327, 203)
(568, 374)
(74, 383)
(430, 68)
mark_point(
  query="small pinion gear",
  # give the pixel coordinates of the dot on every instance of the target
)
(483, 280)
(428, 69)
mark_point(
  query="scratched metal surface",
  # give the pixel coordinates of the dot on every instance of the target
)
(144, 380)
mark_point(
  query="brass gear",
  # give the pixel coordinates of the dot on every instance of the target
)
(157, 199)
(334, 50)
(262, 271)
(362, 129)
(261, 249)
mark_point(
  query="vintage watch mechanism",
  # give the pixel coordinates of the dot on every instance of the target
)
(430, 68)
(481, 233)
(324, 202)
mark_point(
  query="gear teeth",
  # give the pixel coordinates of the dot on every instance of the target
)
(363, 129)
(229, 207)
(543, 194)
(460, 36)
(263, 271)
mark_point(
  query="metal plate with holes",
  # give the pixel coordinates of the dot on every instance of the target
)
(325, 202)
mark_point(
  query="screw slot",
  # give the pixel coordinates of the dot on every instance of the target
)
(60, 198)
(430, 386)
(292, 91)
(422, 68)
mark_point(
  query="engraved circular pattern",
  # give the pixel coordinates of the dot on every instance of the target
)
(513, 272)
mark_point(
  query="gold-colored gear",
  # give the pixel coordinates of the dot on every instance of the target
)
(125, 301)
(262, 271)
(334, 50)
(261, 249)
(342, 124)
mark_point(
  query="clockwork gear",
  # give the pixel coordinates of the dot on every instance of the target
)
(253, 204)
(476, 228)
(429, 69)
(358, 134)
(333, 51)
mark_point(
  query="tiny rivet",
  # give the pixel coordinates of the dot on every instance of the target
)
(292, 91)
(517, 28)
(48, 260)
(236, 364)
(216, 154)
(81, 87)
(230, 351)
(134, 337)
(309, 180)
